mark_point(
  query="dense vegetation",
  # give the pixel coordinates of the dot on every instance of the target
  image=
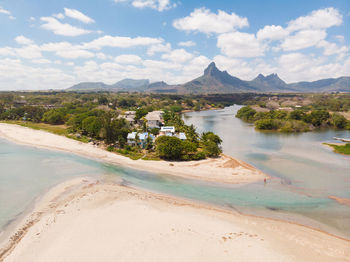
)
(298, 120)
(95, 118)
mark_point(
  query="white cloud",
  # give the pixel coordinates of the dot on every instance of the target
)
(75, 14)
(272, 32)
(41, 61)
(16, 75)
(178, 56)
(101, 56)
(121, 41)
(187, 43)
(332, 48)
(294, 67)
(159, 5)
(67, 50)
(159, 48)
(237, 44)
(303, 39)
(7, 51)
(22, 40)
(58, 28)
(340, 38)
(6, 12)
(243, 69)
(29, 52)
(203, 20)
(128, 59)
(318, 19)
(59, 16)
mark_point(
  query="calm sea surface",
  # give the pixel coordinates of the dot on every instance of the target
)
(304, 171)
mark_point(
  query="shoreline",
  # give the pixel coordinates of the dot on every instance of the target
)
(86, 198)
(224, 169)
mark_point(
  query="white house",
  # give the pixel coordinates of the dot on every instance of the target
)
(167, 131)
(155, 119)
(131, 139)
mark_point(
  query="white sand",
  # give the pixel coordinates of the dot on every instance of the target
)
(81, 220)
(224, 169)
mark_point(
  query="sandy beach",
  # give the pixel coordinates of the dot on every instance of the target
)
(224, 169)
(85, 220)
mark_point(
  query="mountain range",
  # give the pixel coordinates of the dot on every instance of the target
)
(215, 81)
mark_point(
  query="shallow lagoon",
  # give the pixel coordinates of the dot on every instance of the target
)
(305, 173)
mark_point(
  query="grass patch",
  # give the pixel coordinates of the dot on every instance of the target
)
(129, 153)
(342, 149)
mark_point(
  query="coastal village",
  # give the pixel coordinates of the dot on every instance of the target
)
(154, 122)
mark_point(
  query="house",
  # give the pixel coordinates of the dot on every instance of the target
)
(131, 139)
(143, 139)
(155, 119)
(167, 131)
(181, 136)
(129, 116)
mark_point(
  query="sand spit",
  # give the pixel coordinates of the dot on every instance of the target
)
(224, 169)
(84, 220)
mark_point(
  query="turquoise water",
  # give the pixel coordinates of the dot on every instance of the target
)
(305, 173)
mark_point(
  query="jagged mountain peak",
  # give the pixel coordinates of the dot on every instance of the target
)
(211, 69)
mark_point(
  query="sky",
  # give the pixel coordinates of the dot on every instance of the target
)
(46, 44)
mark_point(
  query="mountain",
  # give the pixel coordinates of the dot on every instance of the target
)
(88, 86)
(127, 84)
(341, 84)
(215, 81)
(123, 85)
(270, 83)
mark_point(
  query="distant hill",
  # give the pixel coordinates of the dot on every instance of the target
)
(215, 81)
(89, 86)
(123, 85)
(127, 84)
(341, 84)
(270, 83)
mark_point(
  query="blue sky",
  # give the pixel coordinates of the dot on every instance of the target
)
(55, 44)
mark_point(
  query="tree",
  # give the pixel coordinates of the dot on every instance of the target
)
(246, 113)
(211, 144)
(210, 136)
(297, 114)
(141, 112)
(169, 147)
(53, 117)
(113, 128)
(211, 149)
(92, 126)
(189, 147)
(191, 134)
(339, 121)
(267, 124)
(317, 117)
